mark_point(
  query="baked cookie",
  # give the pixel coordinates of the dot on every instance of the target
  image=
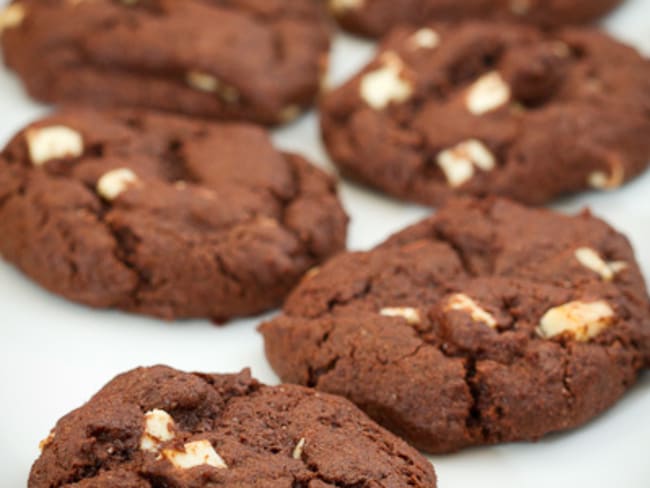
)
(258, 60)
(486, 323)
(483, 108)
(163, 215)
(155, 427)
(377, 17)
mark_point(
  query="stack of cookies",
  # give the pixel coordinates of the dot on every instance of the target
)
(155, 188)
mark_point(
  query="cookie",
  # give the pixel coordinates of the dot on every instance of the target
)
(481, 108)
(162, 215)
(256, 60)
(483, 324)
(154, 427)
(376, 17)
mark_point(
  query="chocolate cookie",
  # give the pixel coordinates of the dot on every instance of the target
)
(163, 215)
(155, 427)
(377, 17)
(258, 60)
(485, 108)
(486, 323)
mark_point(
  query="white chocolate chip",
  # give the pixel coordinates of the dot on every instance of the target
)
(158, 428)
(488, 93)
(463, 303)
(458, 162)
(202, 81)
(312, 272)
(228, 93)
(583, 320)
(520, 7)
(207, 83)
(54, 142)
(339, 6)
(561, 49)
(297, 451)
(290, 113)
(385, 85)
(112, 184)
(411, 314)
(47, 441)
(591, 259)
(600, 180)
(12, 16)
(424, 38)
(197, 453)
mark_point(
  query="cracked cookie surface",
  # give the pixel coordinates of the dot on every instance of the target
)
(158, 427)
(479, 109)
(163, 215)
(377, 17)
(257, 60)
(485, 323)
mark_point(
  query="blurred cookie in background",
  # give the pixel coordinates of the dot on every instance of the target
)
(485, 108)
(256, 60)
(377, 17)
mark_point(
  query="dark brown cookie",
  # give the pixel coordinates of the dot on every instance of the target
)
(158, 427)
(258, 60)
(377, 17)
(486, 323)
(163, 215)
(484, 108)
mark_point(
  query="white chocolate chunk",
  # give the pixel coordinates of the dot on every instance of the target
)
(591, 259)
(202, 81)
(458, 162)
(12, 16)
(425, 38)
(297, 451)
(583, 320)
(47, 441)
(488, 93)
(290, 113)
(385, 85)
(228, 94)
(600, 180)
(411, 314)
(197, 453)
(561, 49)
(520, 7)
(112, 184)
(463, 303)
(158, 428)
(54, 142)
(339, 6)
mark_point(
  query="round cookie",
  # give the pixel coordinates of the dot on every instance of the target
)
(483, 108)
(257, 60)
(155, 427)
(377, 17)
(486, 323)
(163, 215)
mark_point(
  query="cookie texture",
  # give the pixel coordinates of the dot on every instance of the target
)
(376, 17)
(486, 323)
(257, 60)
(159, 427)
(482, 108)
(163, 215)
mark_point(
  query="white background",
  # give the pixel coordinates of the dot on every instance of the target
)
(54, 355)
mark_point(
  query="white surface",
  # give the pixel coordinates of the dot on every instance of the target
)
(54, 354)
